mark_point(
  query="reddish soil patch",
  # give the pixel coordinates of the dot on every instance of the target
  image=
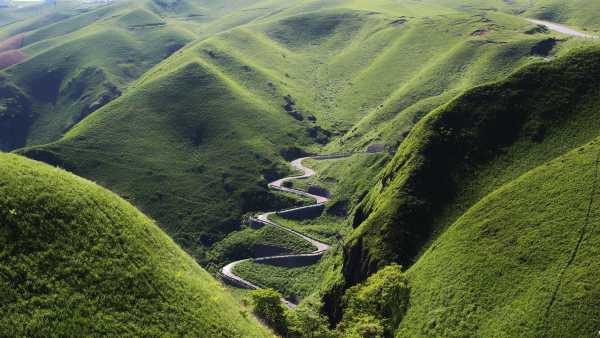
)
(10, 58)
(480, 32)
(12, 43)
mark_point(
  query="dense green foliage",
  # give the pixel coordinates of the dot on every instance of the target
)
(76, 260)
(375, 308)
(189, 108)
(495, 138)
(266, 304)
(194, 140)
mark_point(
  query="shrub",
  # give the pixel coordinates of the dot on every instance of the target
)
(375, 307)
(364, 326)
(306, 322)
(267, 306)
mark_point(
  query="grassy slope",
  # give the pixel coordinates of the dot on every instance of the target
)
(460, 154)
(187, 144)
(79, 58)
(246, 243)
(521, 262)
(78, 64)
(187, 141)
(78, 260)
(293, 283)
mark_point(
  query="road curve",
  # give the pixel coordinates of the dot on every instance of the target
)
(320, 247)
(562, 29)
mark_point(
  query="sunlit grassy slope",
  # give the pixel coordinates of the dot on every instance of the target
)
(76, 260)
(194, 140)
(578, 13)
(78, 62)
(489, 203)
(79, 57)
(523, 261)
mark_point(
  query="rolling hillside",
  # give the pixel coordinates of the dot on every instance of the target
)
(77, 260)
(193, 140)
(493, 197)
(484, 127)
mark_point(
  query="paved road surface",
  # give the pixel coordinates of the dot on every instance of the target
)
(320, 247)
(562, 29)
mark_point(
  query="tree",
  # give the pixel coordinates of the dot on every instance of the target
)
(376, 307)
(266, 304)
(305, 321)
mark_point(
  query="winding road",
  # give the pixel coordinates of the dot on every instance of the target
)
(562, 29)
(227, 272)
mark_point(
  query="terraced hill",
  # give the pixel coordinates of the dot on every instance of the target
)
(78, 260)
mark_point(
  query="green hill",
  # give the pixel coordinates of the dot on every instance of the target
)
(193, 140)
(76, 260)
(188, 108)
(489, 204)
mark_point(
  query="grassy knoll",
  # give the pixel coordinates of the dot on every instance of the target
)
(453, 162)
(78, 260)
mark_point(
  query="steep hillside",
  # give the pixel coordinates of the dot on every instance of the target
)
(194, 140)
(188, 145)
(484, 175)
(523, 261)
(76, 260)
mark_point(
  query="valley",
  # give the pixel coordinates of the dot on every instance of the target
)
(170, 148)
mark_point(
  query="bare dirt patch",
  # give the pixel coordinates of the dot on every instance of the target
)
(481, 32)
(10, 58)
(12, 43)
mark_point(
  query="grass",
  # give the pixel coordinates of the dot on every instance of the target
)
(293, 283)
(493, 139)
(326, 228)
(525, 257)
(193, 140)
(193, 137)
(78, 260)
(266, 241)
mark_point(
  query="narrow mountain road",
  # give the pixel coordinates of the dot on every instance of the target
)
(562, 29)
(227, 272)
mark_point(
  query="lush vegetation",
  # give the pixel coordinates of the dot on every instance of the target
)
(295, 283)
(188, 108)
(193, 140)
(376, 307)
(77, 260)
(372, 310)
(494, 138)
(266, 304)
(246, 243)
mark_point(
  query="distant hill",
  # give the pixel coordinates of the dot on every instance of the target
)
(76, 260)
